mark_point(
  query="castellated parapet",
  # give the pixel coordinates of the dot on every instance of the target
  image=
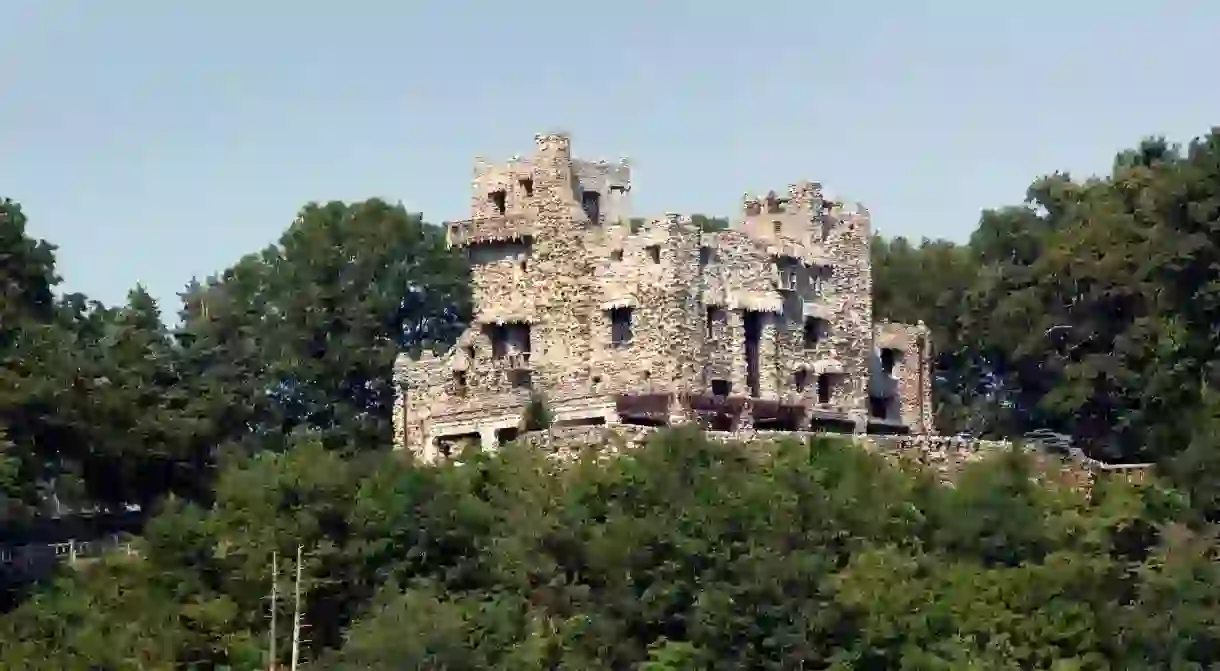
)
(765, 326)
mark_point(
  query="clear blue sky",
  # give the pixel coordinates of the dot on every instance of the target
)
(153, 141)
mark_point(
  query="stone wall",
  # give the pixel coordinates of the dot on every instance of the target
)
(554, 258)
(910, 381)
(944, 455)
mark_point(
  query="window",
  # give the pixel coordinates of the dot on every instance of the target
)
(824, 388)
(590, 201)
(524, 265)
(800, 379)
(527, 185)
(714, 315)
(498, 334)
(499, 199)
(876, 407)
(654, 253)
(616, 255)
(721, 387)
(778, 226)
(459, 381)
(620, 327)
(888, 358)
(705, 255)
(813, 332)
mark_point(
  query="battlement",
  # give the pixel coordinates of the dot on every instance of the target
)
(768, 323)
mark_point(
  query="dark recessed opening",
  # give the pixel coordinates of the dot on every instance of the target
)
(705, 255)
(616, 255)
(527, 185)
(812, 332)
(824, 388)
(721, 387)
(591, 201)
(654, 253)
(753, 333)
(499, 200)
(620, 327)
(877, 407)
(888, 357)
(800, 379)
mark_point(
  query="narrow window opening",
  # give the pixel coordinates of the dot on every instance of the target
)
(654, 253)
(778, 227)
(620, 327)
(459, 381)
(705, 255)
(824, 388)
(498, 334)
(753, 333)
(499, 199)
(527, 185)
(887, 360)
(524, 264)
(721, 387)
(590, 201)
(813, 332)
(618, 188)
(800, 379)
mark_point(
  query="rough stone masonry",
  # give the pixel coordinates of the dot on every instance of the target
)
(765, 326)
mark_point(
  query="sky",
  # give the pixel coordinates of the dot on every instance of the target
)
(158, 141)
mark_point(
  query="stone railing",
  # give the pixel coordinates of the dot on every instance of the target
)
(944, 455)
(500, 228)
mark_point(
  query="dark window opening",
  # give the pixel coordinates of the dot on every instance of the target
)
(779, 227)
(654, 253)
(581, 421)
(812, 332)
(522, 379)
(620, 327)
(506, 435)
(618, 188)
(705, 255)
(877, 407)
(527, 185)
(616, 255)
(801, 379)
(498, 334)
(824, 388)
(714, 315)
(499, 199)
(459, 381)
(591, 201)
(721, 387)
(887, 360)
(597, 379)
(524, 264)
(753, 332)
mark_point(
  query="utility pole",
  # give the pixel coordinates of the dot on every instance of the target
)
(274, 587)
(296, 616)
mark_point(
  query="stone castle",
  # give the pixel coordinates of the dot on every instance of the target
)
(767, 325)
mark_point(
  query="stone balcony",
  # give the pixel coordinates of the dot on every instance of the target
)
(496, 228)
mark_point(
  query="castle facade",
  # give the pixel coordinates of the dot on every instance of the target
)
(765, 325)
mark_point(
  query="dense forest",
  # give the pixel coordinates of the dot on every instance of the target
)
(259, 420)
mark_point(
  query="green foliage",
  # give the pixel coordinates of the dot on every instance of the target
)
(537, 414)
(684, 554)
